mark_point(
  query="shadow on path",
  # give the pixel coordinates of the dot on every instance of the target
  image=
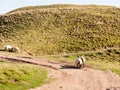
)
(67, 67)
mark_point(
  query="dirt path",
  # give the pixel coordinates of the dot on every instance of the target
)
(69, 78)
(84, 79)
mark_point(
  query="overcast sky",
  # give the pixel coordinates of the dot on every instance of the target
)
(8, 5)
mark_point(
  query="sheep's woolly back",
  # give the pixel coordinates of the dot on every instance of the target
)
(80, 62)
(8, 47)
(83, 58)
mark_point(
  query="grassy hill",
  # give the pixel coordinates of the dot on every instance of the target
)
(57, 29)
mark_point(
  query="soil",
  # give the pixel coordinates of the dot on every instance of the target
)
(66, 77)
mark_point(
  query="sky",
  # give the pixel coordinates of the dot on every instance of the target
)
(9, 5)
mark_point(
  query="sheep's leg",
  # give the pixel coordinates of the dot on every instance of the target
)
(83, 65)
(78, 65)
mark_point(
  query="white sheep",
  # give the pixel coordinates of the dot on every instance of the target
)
(8, 47)
(79, 63)
(11, 49)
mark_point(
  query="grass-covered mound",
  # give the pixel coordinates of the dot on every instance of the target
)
(61, 28)
(16, 76)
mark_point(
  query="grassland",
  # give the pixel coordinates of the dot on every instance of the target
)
(18, 76)
(59, 29)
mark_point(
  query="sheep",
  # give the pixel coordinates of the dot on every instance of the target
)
(11, 49)
(79, 63)
(8, 47)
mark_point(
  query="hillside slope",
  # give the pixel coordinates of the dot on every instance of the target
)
(61, 28)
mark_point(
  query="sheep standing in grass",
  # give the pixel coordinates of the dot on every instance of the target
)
(8, 48)
(79, 63)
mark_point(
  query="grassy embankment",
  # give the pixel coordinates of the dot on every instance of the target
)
(59, 29)
(19, 76)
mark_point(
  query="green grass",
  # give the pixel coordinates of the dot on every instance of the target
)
(109, 55)
(56, 29)
(19, 76)
(105, 66)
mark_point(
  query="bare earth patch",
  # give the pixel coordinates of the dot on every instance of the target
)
(83, 79)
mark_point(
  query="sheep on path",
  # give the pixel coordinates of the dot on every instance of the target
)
(80, 61)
